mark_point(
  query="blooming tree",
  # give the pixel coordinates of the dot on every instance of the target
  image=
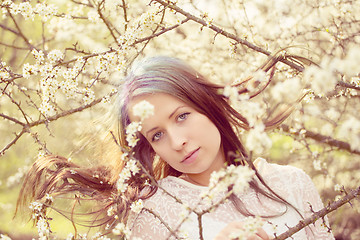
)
(63, 61)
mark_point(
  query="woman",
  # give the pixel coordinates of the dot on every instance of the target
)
(192, 132)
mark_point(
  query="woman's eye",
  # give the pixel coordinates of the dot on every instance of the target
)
(183, 116)
(156, 136)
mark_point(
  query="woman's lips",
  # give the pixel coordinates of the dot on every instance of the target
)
(190, 158)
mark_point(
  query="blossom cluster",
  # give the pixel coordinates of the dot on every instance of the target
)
(16, 178)
(323, 79)
(122, 229)
(4, 71)
(131, 133)
(4, 237)
(257, 140)
(143, 110)
(236, 177)
(250, 227)
(39, 215)
(137, 206)
(45, 11)
(131, 169)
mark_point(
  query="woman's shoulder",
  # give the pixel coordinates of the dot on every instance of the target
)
(267, 169)
(285, 175)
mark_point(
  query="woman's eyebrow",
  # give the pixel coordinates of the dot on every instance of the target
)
(172, 114)
(175, 111)
(154, 128)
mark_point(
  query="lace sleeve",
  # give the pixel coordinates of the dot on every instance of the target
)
(147, 227)
(156, 220)
(312, 203)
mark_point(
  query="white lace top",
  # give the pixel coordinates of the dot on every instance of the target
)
(291, 183)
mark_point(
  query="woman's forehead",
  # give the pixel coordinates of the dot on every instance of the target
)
(160, 101)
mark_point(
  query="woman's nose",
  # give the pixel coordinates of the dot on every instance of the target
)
(178, 139)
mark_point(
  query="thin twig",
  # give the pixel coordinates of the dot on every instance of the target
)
(107, 24)
(26, 127)
(17, 137)
(125, 15)
(19, 30)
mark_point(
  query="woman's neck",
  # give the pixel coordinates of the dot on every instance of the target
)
(200, 182)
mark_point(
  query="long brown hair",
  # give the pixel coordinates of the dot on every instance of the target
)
(56, 176)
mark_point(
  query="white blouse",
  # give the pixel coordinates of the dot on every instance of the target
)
(291, 183)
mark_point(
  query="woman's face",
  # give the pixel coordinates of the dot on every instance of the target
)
(186, 139)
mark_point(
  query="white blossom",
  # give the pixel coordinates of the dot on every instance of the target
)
(350, 130)
(231, 93)
(131, 131)
(121, 186)
(100, 236)
(43, 228)
(338, 187)
(121, 229)
(36, 206)
(47, 108)
(89, 96)
(93, 16)
(82, 236)
(16, 178)
(111, 211)
(4, 72)
(70, 236)
(322, 80)
(137, 206)
(350, 64)
(55, 56)
(143, 109)
(49, 197)
(45, 11)
(38, 55)
(317, 164)
(257, 139)
(29, 70)
(132, 166)
(26, 10)
(4, 237)
(129, 170)
(287, 90)
(332, 114)
(250, 227)
(236, 176)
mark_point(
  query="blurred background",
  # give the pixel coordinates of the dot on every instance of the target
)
(62, 61)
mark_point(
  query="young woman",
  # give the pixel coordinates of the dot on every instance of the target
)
(192, 133)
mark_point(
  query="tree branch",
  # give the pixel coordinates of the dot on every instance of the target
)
(161, 32)
(323, 139)
(348, 85)
(320, 214)
(12, 119)
(9, 29)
